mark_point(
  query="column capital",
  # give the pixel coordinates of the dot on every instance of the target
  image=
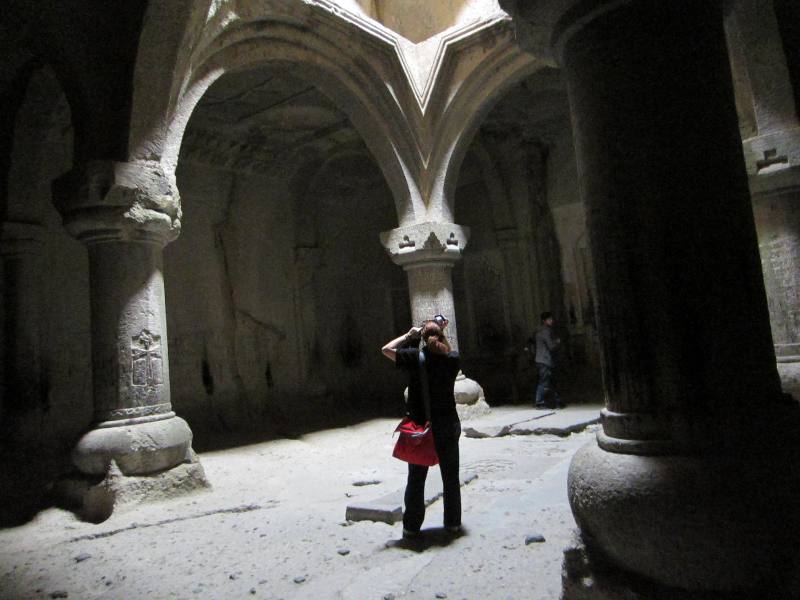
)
(17, 238)
(545, 27)
(105, 201)
(426, 244)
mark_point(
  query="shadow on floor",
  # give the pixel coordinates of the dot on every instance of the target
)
(26, 477)
(275, 427)
(427, 538)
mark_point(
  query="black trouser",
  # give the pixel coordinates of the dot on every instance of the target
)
(547, 383)
(445, 437)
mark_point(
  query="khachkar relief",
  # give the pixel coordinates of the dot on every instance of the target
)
(146, 360)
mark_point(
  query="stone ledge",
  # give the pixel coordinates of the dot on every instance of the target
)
(389, 508)
(531, 422)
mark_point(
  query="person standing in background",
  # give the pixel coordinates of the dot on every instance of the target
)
(547, 345)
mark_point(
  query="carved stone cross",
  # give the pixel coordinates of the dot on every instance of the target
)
(146, 361)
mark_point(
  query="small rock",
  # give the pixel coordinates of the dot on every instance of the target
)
(82, 557)
(232, 576)
(262, 582)
(59, 594)
(299, 579)
(534, 538)
(441, 595)
(344, 551)
(252, 590)
(367, 482)
(388, 597)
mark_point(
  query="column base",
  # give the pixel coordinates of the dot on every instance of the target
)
(138, 448)
(470, 401)
(96, 499)
(585, 576)
(717, 524)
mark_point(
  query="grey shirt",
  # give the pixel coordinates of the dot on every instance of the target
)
(546, 346)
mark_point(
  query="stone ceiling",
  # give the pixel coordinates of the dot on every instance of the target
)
(536, 110)
(253, 120)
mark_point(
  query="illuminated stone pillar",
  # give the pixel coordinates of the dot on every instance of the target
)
(772, 156)
(125, 214)
(427, 253)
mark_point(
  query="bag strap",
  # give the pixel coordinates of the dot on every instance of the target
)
(423, 380)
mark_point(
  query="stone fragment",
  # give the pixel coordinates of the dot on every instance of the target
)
(59, 594)
(343, 551)
(82, 557)
(389, 508)
(534, 538)
(441, 595)
(366, 482)
(299, 579)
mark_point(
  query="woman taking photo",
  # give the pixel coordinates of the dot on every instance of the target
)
(442, 365)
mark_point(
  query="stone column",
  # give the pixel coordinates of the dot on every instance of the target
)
(696, 438)
(23, 395)
(773, 166)
(125, 214)
(776, 205)
(427, 252)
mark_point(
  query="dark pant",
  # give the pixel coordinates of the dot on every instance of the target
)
(445, 437)
(547, 382)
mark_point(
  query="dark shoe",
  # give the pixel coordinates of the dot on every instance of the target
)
(561, 405)
(454, 530)
(541, 407)
(410, 535)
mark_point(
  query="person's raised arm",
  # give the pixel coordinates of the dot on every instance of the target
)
(390, 348)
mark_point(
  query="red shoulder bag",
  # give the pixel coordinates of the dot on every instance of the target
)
(415, 442)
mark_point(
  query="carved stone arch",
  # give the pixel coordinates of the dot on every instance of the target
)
(12, 96)
(13, 92)
(353, 86)
(43, 111)
(482, 89)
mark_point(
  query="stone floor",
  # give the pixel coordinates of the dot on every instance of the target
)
(273, 526)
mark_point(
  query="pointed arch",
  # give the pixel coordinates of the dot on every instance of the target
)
(275, 33)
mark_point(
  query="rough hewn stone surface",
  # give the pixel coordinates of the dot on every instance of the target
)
(95, 501)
